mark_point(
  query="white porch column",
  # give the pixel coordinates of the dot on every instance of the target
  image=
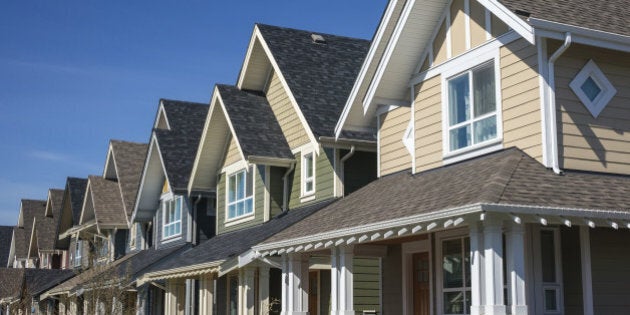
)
(342, 287)
(263, 289)
(206, 295)
(493, 262)
(295, 284)
(247, 289)
(587, 279)
(476, 269)
(515, 256)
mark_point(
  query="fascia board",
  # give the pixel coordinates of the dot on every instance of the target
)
(510, 18)
(581, 35)
(200, 149)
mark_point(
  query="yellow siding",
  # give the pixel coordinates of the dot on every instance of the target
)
(458, 28)
(594, 144)
(439, 46)
(520, 89)
(477, 24)
(165, 187)
(394, 156)
(285, 113)
(233, 154)
(498, 27)
(428, 124)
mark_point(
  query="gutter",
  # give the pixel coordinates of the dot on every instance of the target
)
(285, 192)
(551, 94)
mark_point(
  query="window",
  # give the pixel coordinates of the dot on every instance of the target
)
(593, 88)
(77, 253)
(102, 247)
(232, 294)
(472, 108)
(308, 174)
(456, 276)
(550, 269)
(172, 217)
(240, 194)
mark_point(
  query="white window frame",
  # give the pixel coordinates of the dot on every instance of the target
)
(132, 235)
(460, 68)
(167, 200)
(608, 91)
(304, 179)
(558, 285)
(438, 270)
(78, 255)
(248, 175)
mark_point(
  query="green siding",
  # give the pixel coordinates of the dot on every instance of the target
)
(324, 178)
(367, 284)
(258, 204)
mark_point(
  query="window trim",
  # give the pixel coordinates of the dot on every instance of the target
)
(168, 198)
(249, 171)
(78, 249)
(439, 279)
(608, 91)
(481, 148)
(303, 177)
(132, 235)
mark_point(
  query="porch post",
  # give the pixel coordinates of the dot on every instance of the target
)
(587, 279)
(298, 284)
(476, 269)
(206, 296)
(263, 289)
(334, 280)
(493, 261)
(515, 247)
(285, 286)
(341, 273)
(247, 299)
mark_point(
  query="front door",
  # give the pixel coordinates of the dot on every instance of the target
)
(421, 284)
(313, 292)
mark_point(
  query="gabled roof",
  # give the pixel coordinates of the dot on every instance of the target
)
(29, 211)
(228, 245)
(319, 76)
(609, 16)
(76, 188)
(128, 158)
(6, 233)
(508, 179)
(12, 279)
(55, 202)
(103, 197)
(255, 127)
(46, 227)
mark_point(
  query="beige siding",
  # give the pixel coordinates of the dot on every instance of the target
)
(594, 144)
(458, 28)
(498, 27)
(428, 124)
(285, 113)
(233, 154)
(610, 270)
(520, 90)
(477, 24)
(439, 46)
(394, 156)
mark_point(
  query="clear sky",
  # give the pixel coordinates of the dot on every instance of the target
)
(75, 74)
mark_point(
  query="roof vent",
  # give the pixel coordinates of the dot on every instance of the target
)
(522, 13)
(318, 39)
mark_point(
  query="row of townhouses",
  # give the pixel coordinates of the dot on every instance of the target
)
(472, 158)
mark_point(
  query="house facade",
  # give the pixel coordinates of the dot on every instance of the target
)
(495, 121)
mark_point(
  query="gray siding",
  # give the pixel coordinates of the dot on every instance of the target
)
(610, 265)
(391, 277)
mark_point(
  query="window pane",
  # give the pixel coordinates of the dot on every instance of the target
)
(308, 161)
(239, 208)
(231, 188)
(309, 186)
(460, 137)
(240, 186)
(590, 88)
(550, 300)
(249, 205)
(231, 211)
(459, 100)
(178, 211)
(548, 256)
(485, 129)
(452, 263)
(453, 303)
(177, 228)
(484, 91)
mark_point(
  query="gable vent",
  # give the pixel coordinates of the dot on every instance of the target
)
(318, 39)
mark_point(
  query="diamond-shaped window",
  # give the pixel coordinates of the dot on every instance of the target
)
(593, 88)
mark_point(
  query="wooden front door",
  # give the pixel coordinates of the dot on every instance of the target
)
(421, 284)
(313, 292)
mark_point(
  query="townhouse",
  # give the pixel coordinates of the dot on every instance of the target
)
(19, 254)
(502, 161)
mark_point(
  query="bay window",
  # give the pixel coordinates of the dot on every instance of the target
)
(472, 108)
(172, 217)
(240, 194)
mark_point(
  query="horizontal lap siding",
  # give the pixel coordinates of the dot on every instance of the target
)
(610, 265)
(520, 93)
(595, 144)
(324, 178)
(285, 113)
(428, 124)
(233, 154)
(367, 284)
(394, 156)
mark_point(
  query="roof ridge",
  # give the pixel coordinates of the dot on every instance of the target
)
(511, 176)
(310, 31)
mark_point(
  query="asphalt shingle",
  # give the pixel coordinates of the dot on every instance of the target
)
(107, 201)
(129, 159)
(31, 210)
(6, 233)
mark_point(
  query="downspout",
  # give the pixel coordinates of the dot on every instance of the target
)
(551, 95)
(285, 192)
(194, 233)
(342, 161)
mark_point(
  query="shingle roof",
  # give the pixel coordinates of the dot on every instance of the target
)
(232, 244)
(257, 130)
(46, 228)
(508, 177)
(56, 199)
(129, 157)
(12, 279)
(320, 76)
(179, 144)
(20, 242)
(608, 16)
(77, 188)
(107, 202)
(31, 209)
(39, 280)
(6, 233)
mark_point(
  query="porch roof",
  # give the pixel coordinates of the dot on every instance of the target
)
(208, 256)
(508, 181)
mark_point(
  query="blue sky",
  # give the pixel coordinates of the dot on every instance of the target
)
(77, 73)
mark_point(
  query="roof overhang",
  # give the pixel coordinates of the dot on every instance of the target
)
(271, 161)
(183, 272)
(445, 219)
(581, 35)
